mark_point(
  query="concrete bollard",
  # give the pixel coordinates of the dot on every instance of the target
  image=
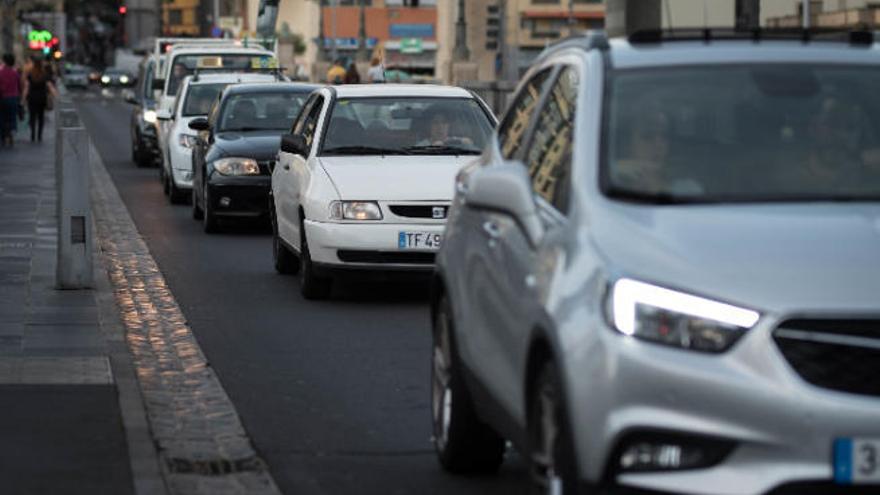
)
(74, 264)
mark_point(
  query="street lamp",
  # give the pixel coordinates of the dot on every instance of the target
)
(461, 52)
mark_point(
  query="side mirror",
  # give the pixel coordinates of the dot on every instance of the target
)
(158, 85)
(199, 124)
(296, 144)
(163, 114)
(506, 188)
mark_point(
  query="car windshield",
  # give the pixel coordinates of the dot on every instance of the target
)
(430, 126)
(743, 133)
(184, 65)
(200, 97)
(260, 111)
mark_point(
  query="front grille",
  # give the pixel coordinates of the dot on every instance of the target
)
(842, 355)
(352, 256)
(419, 211)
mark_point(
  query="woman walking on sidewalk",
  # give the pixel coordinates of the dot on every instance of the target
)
(9, 99)
(38, 88)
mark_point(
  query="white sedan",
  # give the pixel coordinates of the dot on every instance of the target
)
(366, 177)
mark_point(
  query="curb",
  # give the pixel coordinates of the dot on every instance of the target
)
(184, 434)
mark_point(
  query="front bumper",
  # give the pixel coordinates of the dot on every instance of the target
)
(240, 196)
(373, 246)
(783, 429)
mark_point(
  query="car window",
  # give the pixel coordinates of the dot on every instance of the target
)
(184, 65)
(147, 81)
(200, 97)
(261, 111)
(310, 124)
(304, 114)
(549, 154)
(520, 113)
(794, 132)
(407, 125)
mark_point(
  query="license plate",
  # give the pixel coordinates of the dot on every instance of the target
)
(857, 461)
(419, 240)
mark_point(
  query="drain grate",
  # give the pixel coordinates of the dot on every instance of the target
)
(215, 467)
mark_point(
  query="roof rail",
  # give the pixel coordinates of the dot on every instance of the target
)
(586, 41)
(854, 37)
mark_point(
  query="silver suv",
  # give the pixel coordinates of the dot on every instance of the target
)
(664, 274)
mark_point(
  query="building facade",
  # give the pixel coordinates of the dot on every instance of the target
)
(181, 18)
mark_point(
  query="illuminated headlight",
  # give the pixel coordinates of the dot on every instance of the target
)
(105, 79)
(123, 79)
(355, 210)
(237, 166)
(150, 116)
(187, 141)
(676, 319)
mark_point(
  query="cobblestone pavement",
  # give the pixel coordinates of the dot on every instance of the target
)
(200, 438)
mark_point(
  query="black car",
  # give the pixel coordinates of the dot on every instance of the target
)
(237, 147)
(115, 76)
(144, 129)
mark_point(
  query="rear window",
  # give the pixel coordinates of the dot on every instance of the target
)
(260, 111)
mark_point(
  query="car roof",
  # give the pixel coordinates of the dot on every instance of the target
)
(390, 90)
(219, 50)
(260, 87)
(625, 54)
(229, 77)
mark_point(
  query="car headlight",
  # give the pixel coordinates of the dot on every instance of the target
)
(673, 318)
(150, 116)
(355, 210)
(105, 79)
(123, 79)
(187, 140)
(237, 166)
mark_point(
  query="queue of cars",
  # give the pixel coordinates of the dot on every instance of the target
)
(657, 274)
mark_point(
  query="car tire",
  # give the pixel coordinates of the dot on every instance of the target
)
(209, 218)
(286, 263)
(175, 195)
(197, 212)
(313, 287)
(552, 466)
(463, 443)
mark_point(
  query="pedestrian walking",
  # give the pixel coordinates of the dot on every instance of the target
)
(351, 74)
(376, 73)
(336, 74)
(10, 99)
(38, 91)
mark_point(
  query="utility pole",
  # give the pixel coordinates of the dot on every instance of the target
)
(509, 69)
(461, 52)
(748, 14)
(806, 11)
(334, 48)
(362, 33)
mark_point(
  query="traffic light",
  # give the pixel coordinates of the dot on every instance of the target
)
(493, 26)
(123, 10)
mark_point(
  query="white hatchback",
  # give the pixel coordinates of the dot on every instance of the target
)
(366, 177)
(196, 97)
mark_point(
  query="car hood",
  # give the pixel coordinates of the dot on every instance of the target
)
(778, 258)
(259, 145)
(395, 178)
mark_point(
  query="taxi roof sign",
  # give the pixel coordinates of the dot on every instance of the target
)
(264, 62)
(209, 62)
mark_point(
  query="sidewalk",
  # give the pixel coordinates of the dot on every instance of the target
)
(60, 418)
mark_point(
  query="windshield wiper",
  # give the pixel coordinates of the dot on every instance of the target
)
(657, 198)
(246, 129)
(441, 149)
(364, 150)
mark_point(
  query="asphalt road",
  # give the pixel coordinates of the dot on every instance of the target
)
(335, 394)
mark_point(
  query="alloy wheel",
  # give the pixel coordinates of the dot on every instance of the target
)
(441, 378)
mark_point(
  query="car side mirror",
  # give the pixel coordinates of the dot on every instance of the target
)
(158, 85)
(199, 124)
(163, 114)
(506, 188)
(294, 143)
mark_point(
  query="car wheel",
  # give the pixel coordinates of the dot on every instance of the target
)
(209, 218)
(197, 212)
(175, 195)
(313, 286)
(464, 444)
(551, 454)
(286, 263)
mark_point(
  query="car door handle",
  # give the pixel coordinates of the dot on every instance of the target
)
(491, 229)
